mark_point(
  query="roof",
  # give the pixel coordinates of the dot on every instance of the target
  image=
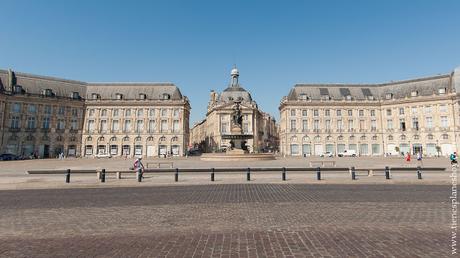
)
(233, 93)
(424, 87)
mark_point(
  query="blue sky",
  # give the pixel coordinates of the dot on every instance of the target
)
(194, 44)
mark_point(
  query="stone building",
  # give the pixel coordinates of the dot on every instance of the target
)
(420, 115)
(45, 116)
(141, 119)
(260, 127)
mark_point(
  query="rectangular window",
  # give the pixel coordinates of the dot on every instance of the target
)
(444, 122)
(401, 111)
(15, 122)
(164, 126)
(46, 123)
(293, 125)
(315, 112)
(103, 126)
(128, 112)
(362, 125)
(372, 112)
(339, 124)
(339, 112)
(245, 127)
(304, 125)
(164, 112)
(304, 112)
(350, 124)
(91, 112)
(350, 112)
(115, 112)
(328, 124)
(402, 124)
(327, 112)
(127, 126)
(32, 108)
(47, 110)
(140, 112)
(73, 124)
(414, 110)
(60, 124)
(389, 124)
(139, 126)
(443, 108)
(415, 123)
(16, 107)
(224, 127)
(388, 112)
(90, 126)
(316, 124)
(152, 112)
(115, 126)
(176, 126)
(292, 112)
(429, 122)
(176, 112)
(373, 125)
(61, 110)
(361, 112)
(152, 126)
(31, 122)
(428, 109)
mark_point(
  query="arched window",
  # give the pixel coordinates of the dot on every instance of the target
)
(352, 138)
(126, 138)
(306, 139)
(89, 138)
(416, 137)
(138, 139)
(363, 138)
(328, 138)
(113, 139)
(162, 139)
(174, 139)
(445, 136)
(150, 139)
(293, 138)
(390, 137)
(340, 138)
(101, 139)
(317, 138)
(59, 138)
(430, 137)
(166, 96)
(374, 138)
(402, 137)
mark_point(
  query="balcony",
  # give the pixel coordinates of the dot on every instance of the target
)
(305, 130)
(316, 130)
(45, 130)
(73, 131)
(31, 130)
(14, 130)
(60, 130)
(293, 130)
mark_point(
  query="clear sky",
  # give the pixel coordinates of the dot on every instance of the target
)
(194, 44)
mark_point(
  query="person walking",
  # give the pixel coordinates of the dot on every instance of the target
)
(419, 158)
(138, 165)
(408, 157)
(453, 158)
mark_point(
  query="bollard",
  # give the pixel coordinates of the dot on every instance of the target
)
(103, 176)
(67, 176)
(353, 173)
(139, 175)
(419, 172)
(212, 174)
(284, 174)
(176, 175)
(318, 173)
(387, 172)
(248, 175)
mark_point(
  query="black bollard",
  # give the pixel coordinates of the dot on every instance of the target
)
(67, 176)
(353, 173)
(419, 172)
(176, 175)
(387, 172)
(212, 174)
(139, 175)
(248, 175)
(284, 174)
(318, 173)
(103, 175)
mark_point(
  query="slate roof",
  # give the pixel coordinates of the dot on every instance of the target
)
(231, 94)
(400, 89)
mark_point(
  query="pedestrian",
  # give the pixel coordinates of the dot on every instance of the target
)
(408, 157)
(138, 165)
(453, 158)
(419, 158)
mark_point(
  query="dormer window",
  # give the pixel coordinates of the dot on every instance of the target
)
(414, 93)
(389, 96)
(18, 89)
(95, 96)
(75, 95)
(348, 97)
(48, 93)
(326, 97)
(442, 90)
(142, 96)
(303, 96)
(230, 98)
(119, 96)
(370, 97)
(166, 96)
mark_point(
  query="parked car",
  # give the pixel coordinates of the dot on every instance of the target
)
(347, 153)
(194, 152)
(8, 156)
(327, 154)
(102, 155)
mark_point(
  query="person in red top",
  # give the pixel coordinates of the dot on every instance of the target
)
(408, 157)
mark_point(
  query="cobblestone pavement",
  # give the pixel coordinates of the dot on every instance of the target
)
(240, 220)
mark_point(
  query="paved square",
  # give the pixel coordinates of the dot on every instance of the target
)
(228, 220)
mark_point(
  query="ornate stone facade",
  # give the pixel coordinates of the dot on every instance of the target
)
(420, 115)
(46, 116)
(260, 127)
